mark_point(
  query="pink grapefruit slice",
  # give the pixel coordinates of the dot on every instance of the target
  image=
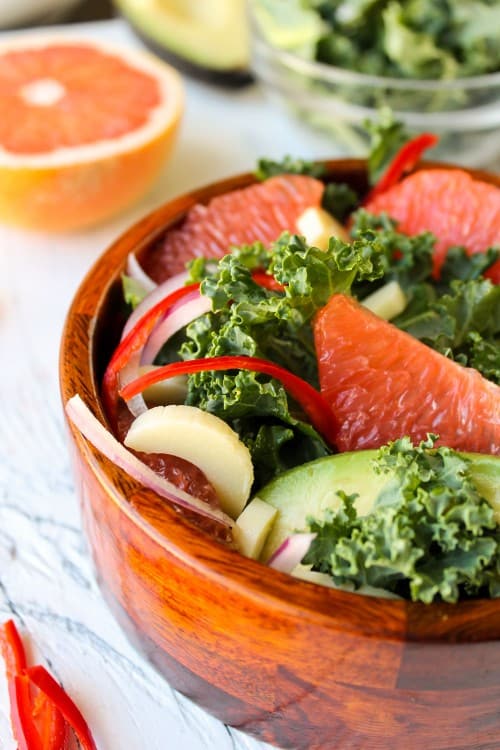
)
(458, 209)
(382, 384)
(259, 212)
(84, 129)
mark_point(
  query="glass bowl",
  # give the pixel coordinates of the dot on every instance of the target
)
(464, 112)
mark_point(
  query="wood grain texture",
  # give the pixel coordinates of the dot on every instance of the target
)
(292, 663)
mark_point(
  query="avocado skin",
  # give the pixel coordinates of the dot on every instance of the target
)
(226, 78)
(310, 489)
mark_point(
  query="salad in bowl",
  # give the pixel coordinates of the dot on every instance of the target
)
(297, 445)
(308, 370)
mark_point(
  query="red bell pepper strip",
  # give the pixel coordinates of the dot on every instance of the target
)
(405, 159)
(54, 729)
(23, 725)
(135, 339)
(267, 281)
(45, 682)
(12, 649)
(26, 712)
(308, 397)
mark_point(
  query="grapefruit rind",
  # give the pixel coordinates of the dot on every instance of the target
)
(73, 187)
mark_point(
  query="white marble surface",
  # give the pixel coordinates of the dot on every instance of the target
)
(46, 582)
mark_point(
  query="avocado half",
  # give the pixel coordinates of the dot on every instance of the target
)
(311, 489)
(206, 38)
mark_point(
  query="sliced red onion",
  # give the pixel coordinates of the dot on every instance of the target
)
(185, 311)
(159, 292)
(136, 272)
(130, 372)
(90, 427)
(290, 553)
(190, 308)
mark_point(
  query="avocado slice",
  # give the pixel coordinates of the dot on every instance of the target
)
(208, 38)
(310, 490)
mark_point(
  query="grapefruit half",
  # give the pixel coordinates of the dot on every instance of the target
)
(84, 129)
(458, 209)
(259, 212)
(382, 384)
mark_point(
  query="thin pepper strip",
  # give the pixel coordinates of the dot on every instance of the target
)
(23, 725)
(405, 159)
(308, 397)
(54, 728)
(267, 281)
(54, 731)
(134, 341)
(44, 681)
(12, 649)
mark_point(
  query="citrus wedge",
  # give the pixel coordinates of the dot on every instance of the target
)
(458, 209)
(84, 129)
(258, 213)
(382, 384)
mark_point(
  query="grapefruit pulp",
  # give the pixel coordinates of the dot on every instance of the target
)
(382, 384)
(84, 129)
(458, 209)
(259, 212)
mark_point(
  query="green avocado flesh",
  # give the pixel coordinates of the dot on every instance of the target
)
(309, 490)
(212, 34)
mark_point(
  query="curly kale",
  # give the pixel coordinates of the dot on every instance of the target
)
(431, 535)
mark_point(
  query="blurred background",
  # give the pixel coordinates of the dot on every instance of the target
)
(321, 62)
(22, 13)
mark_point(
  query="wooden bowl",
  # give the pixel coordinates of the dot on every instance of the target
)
(290, 662)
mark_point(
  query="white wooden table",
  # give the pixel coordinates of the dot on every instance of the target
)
(46, 582)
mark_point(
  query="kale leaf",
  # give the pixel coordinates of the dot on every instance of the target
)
(438, 39)
(463, 324)
(459, 264)
(387, 135)
(431, 536)
(133, 291)
(407, 260)
(340, 200)
(288, 165)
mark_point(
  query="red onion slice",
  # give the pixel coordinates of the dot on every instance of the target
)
(290, 553)
(90, 427)
(176, 318)
(136, 272)
(159, 292)
(136, 405)
(179, 316)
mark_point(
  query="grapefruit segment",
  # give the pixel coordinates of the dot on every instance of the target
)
(382, 384)
(458, 209)
(257, 213)
(83, 126)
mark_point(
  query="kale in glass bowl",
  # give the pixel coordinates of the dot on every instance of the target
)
(436, 65)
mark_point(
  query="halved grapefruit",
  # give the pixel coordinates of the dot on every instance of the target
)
(458, 209)
(257, 213)
(382, 384)
(84, 129)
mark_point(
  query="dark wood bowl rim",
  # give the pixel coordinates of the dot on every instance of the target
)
(319, 605)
